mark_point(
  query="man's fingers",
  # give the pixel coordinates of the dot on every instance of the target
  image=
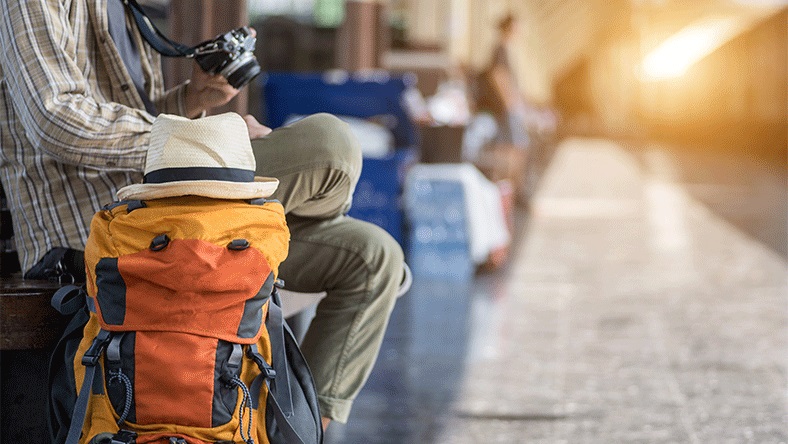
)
(256, 129)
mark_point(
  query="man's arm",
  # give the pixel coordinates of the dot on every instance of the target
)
(52, 98)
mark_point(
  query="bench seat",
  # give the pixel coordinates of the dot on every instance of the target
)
(27, 320)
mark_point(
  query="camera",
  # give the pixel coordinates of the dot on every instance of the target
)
(231, 55)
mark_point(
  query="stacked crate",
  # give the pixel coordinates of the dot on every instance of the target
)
(439, 244)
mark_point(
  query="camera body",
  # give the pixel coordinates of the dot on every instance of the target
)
(231, 55)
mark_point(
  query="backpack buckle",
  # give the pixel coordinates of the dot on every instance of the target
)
(93, 353)
(258, 359)
(268, 371)
(124, 437)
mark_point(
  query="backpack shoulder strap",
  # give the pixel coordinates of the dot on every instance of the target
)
(90, 360)
(131, 205)
(280, 397)
(69, 299)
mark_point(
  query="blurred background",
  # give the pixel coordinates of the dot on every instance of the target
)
(704, 79)
(592, 196)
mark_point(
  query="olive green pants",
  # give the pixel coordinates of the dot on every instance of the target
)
(317, 161)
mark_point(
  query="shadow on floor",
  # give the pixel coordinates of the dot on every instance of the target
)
(750, 191)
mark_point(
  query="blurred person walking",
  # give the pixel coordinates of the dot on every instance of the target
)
(500, 88)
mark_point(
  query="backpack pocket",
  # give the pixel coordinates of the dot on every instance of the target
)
(171, 378)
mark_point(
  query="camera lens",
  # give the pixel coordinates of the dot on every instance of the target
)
(242, 70)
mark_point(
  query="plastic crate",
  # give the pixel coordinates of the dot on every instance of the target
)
(340, 93)
(378, 194)
(439, 246)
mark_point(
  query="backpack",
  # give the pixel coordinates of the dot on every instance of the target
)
(180, 339)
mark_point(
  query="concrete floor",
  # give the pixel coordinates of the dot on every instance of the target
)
(632, 312)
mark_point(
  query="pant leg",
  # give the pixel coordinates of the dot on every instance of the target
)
(317, 161)
(359, 265)
(512, 128)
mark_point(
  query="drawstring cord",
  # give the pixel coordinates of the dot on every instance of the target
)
(117, 375)
(246, 402)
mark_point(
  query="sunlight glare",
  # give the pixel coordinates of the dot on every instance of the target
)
(675, 55)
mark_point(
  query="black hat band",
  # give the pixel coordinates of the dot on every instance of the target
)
(166, 175)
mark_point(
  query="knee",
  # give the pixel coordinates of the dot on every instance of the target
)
(387, 263)
(332, 142)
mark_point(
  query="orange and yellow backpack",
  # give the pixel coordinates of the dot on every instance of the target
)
(181, 339)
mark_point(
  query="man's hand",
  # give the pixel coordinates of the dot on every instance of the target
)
(206, 91)
(256, 129)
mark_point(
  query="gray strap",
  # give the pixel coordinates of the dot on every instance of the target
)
(234, 362)
(81, 407)
(282, 421)
(267, 375)
(276, 331)
(91, 304)
(90, 361)
(266, 372)
(68, 300)
(280, 399)
(113, 349)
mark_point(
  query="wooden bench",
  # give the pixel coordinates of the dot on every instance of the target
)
(27, 320)
(29, 328)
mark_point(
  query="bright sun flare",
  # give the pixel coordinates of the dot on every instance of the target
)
(675, 55)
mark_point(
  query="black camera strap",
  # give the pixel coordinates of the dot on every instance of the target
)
(155, 38)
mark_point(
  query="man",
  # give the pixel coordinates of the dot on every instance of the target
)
(501, 91)
(79, 89)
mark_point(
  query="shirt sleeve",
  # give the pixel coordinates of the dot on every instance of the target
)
(53, 99)
(172, 101)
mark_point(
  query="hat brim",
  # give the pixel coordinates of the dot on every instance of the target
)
(261, 187)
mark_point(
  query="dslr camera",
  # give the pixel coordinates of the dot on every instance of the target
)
(231, 55)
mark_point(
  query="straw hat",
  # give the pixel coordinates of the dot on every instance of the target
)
(209, 157)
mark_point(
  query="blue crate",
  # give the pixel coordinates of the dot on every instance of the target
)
(377, 198)
(439, 245)
(379, 94)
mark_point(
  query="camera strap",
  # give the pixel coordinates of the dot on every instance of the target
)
(155, 38)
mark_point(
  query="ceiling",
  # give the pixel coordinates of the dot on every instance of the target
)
(572, 29)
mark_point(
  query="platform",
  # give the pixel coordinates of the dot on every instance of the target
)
(632, 312)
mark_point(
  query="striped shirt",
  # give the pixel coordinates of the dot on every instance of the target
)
(72, 124)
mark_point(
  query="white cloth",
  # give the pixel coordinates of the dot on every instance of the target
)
(486, 222)
(376, 140)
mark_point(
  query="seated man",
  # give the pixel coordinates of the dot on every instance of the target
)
(78, 93)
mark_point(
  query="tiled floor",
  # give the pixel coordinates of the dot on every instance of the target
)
(630, 313)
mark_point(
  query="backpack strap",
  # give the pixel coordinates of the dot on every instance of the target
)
(90, 361)
(263, 201)
(276, 331)
(131, 205)
(69, 299)
(280, 398)
(282, 422)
